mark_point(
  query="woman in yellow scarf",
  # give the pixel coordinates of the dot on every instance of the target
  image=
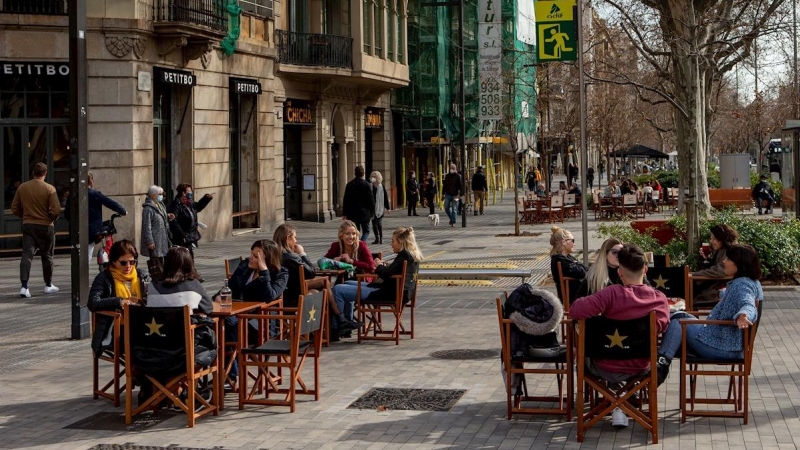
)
(122, 282)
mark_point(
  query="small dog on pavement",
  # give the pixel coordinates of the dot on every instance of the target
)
(434, 218)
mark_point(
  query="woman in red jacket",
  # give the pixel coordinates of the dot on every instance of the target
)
(349, 249)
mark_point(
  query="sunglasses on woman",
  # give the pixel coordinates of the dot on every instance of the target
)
(124, 263)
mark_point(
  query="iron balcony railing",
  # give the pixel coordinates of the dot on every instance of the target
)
(207, 13)
(52, 7)
(319, 50)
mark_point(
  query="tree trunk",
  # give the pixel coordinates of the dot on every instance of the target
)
(692, 91)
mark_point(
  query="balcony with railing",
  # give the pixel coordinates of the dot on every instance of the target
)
(47, 7)
(199, 18)
(315, 50)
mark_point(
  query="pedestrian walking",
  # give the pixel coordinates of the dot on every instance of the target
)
(381, 200)
(590, 177)
(412, 193)
(36, 203)
(185, 209)
(453, 187)
(430, 192)
(358, 203)
(479, 189)
(530, 180)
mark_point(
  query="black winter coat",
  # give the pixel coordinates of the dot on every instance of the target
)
(453, 184)
(387, 287)
(292, 262)
(571, 268)
(184, 227)
(265, 288)
(103, 297)
(479, 182)
(358, 203)
(430, 188)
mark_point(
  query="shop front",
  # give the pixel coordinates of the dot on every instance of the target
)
(172, 156)
(34, 124)
(299, 126)
(243, 105)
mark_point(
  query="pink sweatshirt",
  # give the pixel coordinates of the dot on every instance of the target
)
(623, 303)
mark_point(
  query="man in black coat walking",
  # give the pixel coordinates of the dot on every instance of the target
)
(358, 204)
(479, 189)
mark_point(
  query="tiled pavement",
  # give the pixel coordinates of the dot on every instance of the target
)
(45, 379)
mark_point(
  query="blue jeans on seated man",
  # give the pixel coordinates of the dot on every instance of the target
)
(450, 206)
(345, 296)
(671, 341)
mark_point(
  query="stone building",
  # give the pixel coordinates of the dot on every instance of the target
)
(266, 104)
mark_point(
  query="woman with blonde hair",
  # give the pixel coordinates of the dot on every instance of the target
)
(563, 244)
(349, 249)
(381, 205)
(604, 270)
(404, 244)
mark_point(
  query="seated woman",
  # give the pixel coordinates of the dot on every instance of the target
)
(562, 186)
(540, 190)
(349, 249)
(737, 303)
(626, 189)
(722, 238)
(563, 244)
(180, 285)
(120, 283)
(404, 243)
(604, 270)
(293, 258)
(258, 278)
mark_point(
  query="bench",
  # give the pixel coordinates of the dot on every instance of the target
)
(739, 198)
(19, 236)
(243, 213)
(474, 273)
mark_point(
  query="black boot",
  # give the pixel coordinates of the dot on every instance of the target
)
(662, 371)
(346, 324)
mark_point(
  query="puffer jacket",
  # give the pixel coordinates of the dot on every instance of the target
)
(536, 314)
(103, 297)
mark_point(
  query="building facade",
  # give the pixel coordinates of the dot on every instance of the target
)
(267, 105)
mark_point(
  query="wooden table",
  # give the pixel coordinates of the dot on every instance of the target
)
(238, 307)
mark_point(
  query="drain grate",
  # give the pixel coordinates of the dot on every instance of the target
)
(109, 421)
(408, 399)
(466, 354)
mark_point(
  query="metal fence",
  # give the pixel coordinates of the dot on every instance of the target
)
(208, 13)
(321, 50)
(52, 7)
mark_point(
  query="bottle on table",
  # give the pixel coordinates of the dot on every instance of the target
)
(225, 296)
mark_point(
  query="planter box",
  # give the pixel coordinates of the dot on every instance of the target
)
(662, 232)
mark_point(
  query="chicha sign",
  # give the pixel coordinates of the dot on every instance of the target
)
(298, 112)
(373, 118)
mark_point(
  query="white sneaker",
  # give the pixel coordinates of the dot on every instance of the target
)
(25, 293)
(619, 419)
(52, 289)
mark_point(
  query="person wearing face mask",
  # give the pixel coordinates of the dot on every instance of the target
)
(453, 186)
(185, 209)
(381, 205)
(412, 193)
(155, 225)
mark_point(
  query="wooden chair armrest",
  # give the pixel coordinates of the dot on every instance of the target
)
(114, 314)
(270, 316)
(362, 276)
(705, 278)
(272, 305)
(699, 312)
(685, 322)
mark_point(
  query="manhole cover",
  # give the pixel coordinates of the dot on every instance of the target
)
(382, 399)
(109, 421)
(466, 354)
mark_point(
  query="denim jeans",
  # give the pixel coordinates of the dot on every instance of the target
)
(450, 207)
(671, 341)
(345, 296)
(363, 228)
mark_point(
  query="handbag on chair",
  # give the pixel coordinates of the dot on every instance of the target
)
(155, 265)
